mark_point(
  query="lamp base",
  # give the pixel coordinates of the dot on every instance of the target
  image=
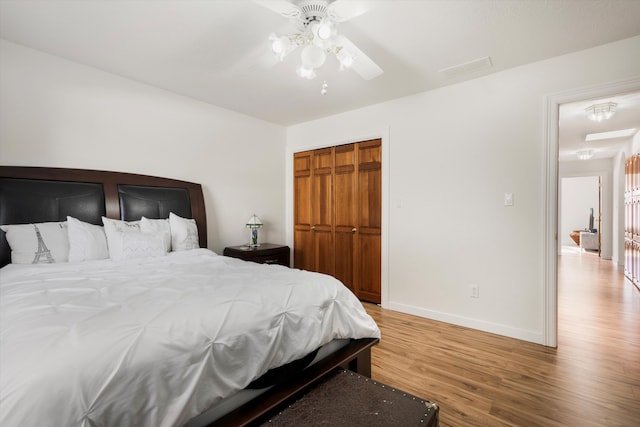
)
(254, 237)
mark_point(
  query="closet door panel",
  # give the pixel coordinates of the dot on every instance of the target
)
(369, 267)
(369, 185)
(302, 194)
(369, 194)
(345, 259)
(303, 252)
(302, 216)
(322, 199)
(323, 241)
(322, 210)
(345, 217)
(369, 197)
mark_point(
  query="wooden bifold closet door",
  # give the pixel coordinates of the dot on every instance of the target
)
(337, 214)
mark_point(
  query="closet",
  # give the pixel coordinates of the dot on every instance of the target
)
(632, 219)
(338, 214)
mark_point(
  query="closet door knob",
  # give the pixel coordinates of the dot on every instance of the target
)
(313, 227)
(353, 230)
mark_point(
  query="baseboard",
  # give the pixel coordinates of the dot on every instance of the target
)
(618, 262)
(481, 325)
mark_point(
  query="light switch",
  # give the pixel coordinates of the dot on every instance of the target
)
(508, 199)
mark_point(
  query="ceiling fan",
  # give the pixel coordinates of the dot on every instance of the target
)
(316, 33)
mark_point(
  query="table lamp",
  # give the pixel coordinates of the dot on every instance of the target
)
(254, 223)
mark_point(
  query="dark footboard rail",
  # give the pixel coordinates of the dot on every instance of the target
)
(355, 356)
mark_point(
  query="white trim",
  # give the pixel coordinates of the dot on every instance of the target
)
(550, 196)
(383, 134)
(550, 227)
(468, 322)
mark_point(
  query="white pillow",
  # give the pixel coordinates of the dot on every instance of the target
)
(158, 226)
(141, 245)
(86, 241)
(114, 229)
(184, 233)
(46, 242)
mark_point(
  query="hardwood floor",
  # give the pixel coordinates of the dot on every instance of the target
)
(481, 379)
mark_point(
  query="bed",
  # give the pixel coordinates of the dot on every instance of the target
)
(182, 338)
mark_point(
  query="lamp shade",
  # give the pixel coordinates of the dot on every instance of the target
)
(313, 56)
(254, 222)
(345, 58)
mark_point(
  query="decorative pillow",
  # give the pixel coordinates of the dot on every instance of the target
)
(114, 228)
(184, 233)
(158, 226)
(86, 241)
(46, 242)
(141, 245)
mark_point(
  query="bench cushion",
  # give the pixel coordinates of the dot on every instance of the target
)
(349, 399)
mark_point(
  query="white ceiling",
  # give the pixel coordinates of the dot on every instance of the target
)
(574, 126)
(215, 50)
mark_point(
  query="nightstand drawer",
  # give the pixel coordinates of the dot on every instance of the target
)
(266, 253)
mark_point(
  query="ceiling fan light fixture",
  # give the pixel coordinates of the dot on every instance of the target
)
(345, 58)
(313, 56)
(325, 30)
(317, 34)
(280, 46)
(600, 112)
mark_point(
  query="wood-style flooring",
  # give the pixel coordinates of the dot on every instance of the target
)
(482, 379)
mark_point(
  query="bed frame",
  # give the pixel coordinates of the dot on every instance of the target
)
(32, 194)
(38, 194)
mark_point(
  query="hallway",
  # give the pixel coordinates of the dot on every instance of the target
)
(599, 327)
(482, 379)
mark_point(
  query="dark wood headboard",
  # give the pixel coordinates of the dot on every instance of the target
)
(30, 194)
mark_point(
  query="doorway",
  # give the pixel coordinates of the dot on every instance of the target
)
(580, 214)
(551, 190)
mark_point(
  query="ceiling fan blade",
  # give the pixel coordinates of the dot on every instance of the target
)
(281, 7)
(343, 10)
(362, 64)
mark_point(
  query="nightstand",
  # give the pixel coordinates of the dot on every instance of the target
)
(266, 253)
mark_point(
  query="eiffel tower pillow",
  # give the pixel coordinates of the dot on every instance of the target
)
(46, 242)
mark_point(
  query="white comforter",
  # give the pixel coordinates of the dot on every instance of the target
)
(155, 342)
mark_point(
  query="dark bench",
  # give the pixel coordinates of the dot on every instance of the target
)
(346, 398)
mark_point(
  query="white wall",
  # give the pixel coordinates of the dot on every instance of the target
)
(54, 112)
(578, 195)
(635, 144)
(604, 169)
(452, 154)
(619, 184)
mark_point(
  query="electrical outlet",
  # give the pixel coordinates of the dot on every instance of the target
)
(475, 291)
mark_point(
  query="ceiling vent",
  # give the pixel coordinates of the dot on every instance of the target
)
(468, 67)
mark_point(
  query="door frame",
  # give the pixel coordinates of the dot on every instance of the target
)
(550, 191)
